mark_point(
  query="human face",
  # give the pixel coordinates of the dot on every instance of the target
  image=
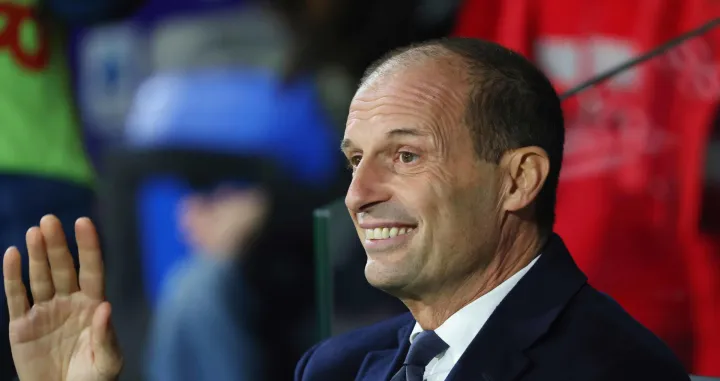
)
(423, 203)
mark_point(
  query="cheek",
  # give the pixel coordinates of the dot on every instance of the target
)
(442, 182)
(445, 214)
(465, 209)
(432, 195)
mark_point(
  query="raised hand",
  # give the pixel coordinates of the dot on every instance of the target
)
(66, 335)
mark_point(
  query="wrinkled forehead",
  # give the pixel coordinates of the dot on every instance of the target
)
(428, 94)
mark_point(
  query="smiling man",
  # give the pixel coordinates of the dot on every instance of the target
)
(455, 147)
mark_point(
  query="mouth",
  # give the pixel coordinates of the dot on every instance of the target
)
(387, 238)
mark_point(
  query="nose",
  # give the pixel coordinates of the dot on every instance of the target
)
(368, 187)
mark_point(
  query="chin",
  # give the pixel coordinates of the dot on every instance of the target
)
(388, 278)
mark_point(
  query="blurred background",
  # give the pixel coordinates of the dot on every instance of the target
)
(202, 135)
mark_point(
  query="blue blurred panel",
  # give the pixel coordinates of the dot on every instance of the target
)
(248, 112)
(161, 241)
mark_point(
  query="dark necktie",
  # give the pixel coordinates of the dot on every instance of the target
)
(425, 347)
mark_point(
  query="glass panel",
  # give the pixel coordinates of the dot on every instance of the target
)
(345, 300)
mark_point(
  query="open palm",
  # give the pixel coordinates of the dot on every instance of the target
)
(66, 335)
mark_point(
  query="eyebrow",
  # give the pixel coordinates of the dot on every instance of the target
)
(347, 143)
(405, 132)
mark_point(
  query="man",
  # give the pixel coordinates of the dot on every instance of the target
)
(182, 346)
(456, 148)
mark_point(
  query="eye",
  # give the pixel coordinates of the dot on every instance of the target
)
(354, 161)
(408, 157)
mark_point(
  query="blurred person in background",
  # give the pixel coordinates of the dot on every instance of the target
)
(200, 332)
(219, 225)
(252, 113)
(43, 166)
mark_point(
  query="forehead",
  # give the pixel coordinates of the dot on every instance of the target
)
(425, 95)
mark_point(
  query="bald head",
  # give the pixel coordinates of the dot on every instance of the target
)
(435, 56)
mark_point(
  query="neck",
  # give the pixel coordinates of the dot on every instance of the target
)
(515, 250)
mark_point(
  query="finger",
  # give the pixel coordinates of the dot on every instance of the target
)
(92, 280)
(106, 352)
(15, 291)
(41, 283)
(62, 268)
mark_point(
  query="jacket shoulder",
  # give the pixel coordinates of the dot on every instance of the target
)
(603, 336)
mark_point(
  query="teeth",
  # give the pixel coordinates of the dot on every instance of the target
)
(385, 233)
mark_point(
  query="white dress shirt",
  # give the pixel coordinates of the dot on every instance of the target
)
(462, 327)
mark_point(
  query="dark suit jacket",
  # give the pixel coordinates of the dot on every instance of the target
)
(552, 326)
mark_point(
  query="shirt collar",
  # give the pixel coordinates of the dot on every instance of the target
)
(462, 327)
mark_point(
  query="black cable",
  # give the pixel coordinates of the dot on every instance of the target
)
(642, 58)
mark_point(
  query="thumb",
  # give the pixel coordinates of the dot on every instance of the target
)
(106, 352)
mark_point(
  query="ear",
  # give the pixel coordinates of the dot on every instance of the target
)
(525, 170)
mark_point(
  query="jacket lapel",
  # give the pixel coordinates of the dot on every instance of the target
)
(497, 352)
(381, 365)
